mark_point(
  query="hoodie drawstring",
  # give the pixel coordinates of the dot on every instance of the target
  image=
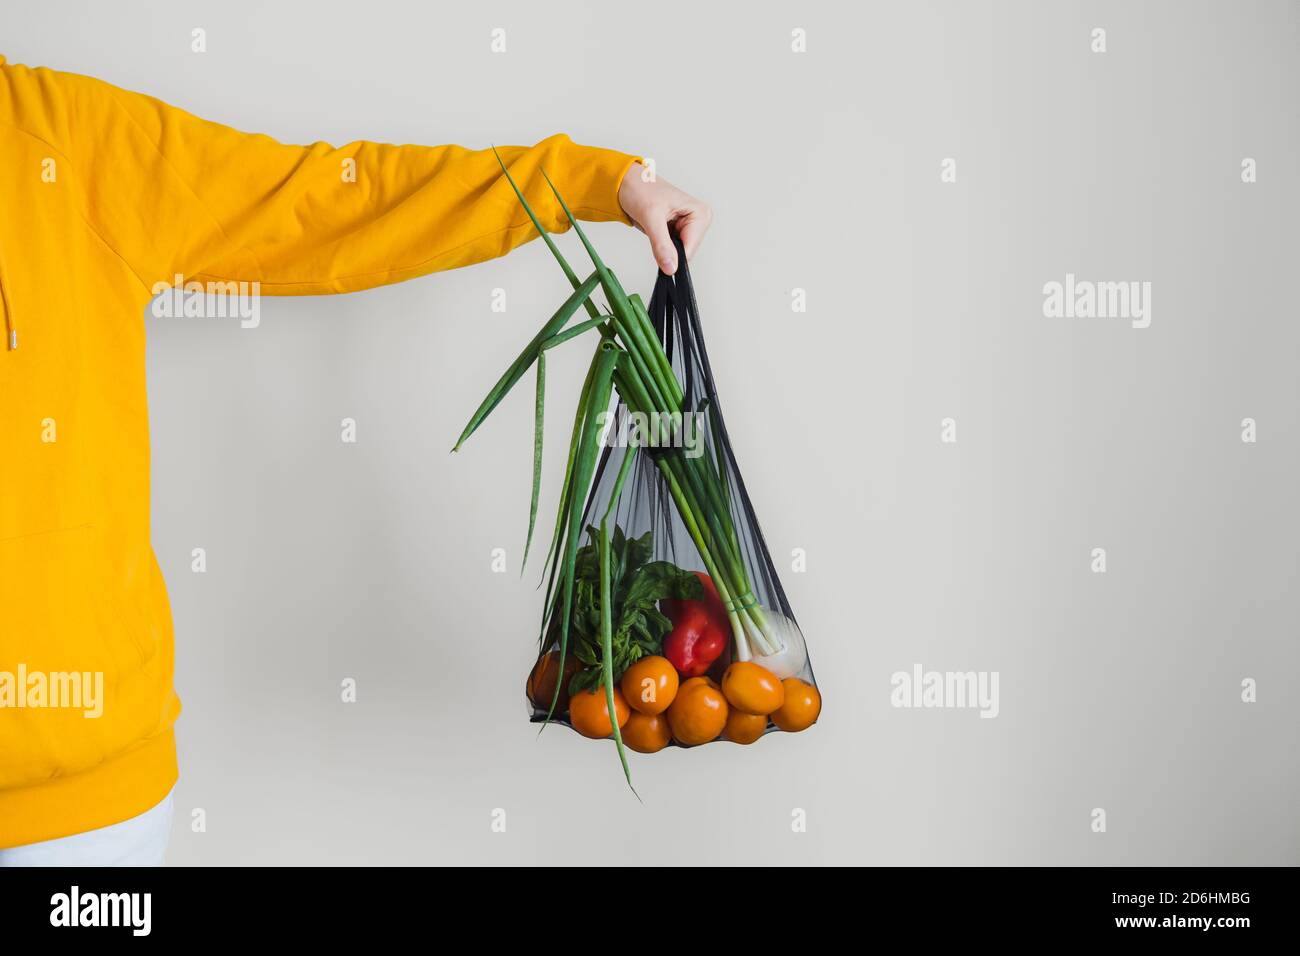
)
(11, 325)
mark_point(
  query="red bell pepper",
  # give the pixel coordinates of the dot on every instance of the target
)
(700, 631)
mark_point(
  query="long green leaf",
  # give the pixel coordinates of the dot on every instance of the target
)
(638, 335)
(572, 332)
(629, 456)
(541, 231)
(539, 419)
(607, 646)
(528, 356)
(591, 250)
(597, 402)
(539, 415)
(562, 513)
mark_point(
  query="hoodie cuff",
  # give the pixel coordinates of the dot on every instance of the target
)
(590, 178)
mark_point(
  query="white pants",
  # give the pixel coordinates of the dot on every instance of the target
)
(139, 841)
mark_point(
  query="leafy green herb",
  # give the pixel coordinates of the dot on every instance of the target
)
(637, 585)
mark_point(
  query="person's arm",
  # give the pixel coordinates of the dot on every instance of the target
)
(173, 194)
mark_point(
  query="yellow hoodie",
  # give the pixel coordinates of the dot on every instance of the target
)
(103, 194)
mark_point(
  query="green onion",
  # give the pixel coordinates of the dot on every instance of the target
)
(631, 359)
(607, 646)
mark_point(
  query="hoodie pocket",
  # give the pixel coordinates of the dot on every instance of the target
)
(65, 614)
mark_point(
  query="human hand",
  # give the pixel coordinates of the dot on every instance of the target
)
(653, 205)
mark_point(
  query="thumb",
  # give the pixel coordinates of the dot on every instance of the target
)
(661, 244)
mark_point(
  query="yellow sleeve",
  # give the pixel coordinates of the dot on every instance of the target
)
(175, 194)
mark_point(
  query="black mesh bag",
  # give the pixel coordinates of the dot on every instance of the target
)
(664, 621)
(637, 499)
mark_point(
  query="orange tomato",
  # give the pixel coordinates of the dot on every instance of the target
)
(698, 712)
(650, 685)
(589, 713)
(752, 688)
(541, 680)
(646, 733)
(701, 680)
(743, 728)
(803, 704)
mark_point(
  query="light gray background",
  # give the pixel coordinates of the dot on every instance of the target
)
(372, 560)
